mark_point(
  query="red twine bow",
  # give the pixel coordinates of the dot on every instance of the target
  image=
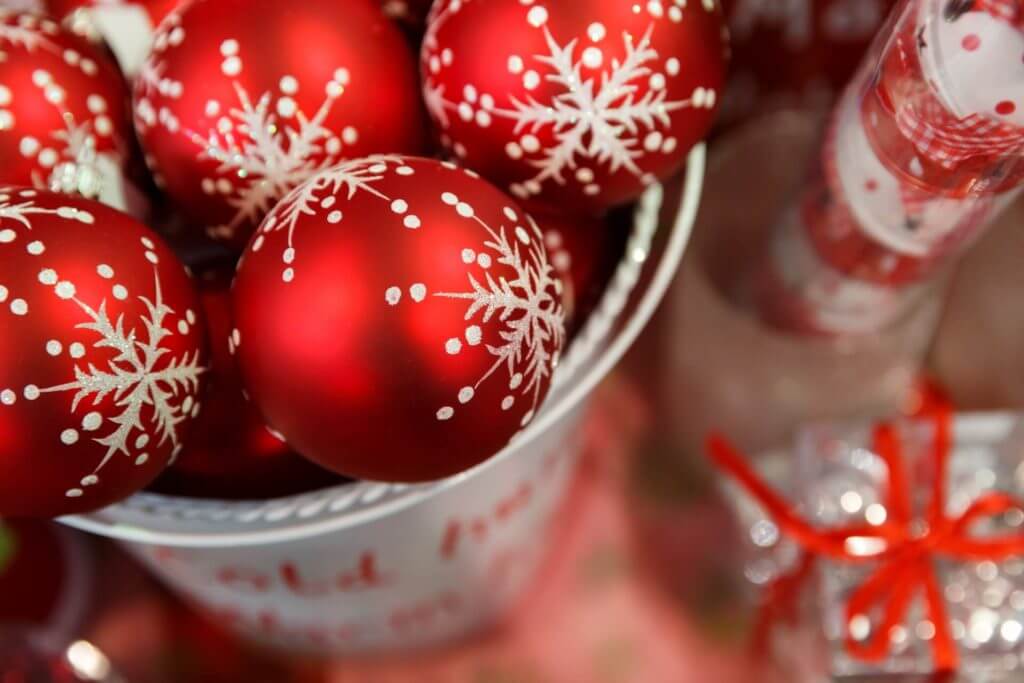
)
(906, 548)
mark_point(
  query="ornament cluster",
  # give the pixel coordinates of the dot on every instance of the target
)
(376, 225)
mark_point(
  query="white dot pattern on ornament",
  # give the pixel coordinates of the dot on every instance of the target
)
(601, 115)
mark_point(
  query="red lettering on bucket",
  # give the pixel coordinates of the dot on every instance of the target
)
(424, 615)
(288, 577)
(243, 580)
(479, 528)
(268, 623)
(364, 576)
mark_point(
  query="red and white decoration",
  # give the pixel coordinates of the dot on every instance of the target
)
(398, 319)
(579, 105)
(64, 120)
(923, 151)
(233, 114)
(891, 231)
(947, 112)
(102, 355)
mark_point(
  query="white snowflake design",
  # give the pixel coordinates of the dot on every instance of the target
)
(70, 161)
(598, 121)
(529, 304)
(29, 32)
(264, 146)
(131, 378)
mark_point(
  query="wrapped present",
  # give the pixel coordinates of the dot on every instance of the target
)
(901, 544)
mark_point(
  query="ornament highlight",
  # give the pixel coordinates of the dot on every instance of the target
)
(398, 319)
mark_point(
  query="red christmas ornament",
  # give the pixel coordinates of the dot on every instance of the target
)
(231, 453)
(580, 105)
(242, 100)
(101, 359)
(64, 121)
(398, 319)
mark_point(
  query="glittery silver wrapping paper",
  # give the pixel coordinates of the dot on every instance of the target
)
(836, 480)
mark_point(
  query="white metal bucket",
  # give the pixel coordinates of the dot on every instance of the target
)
(364, 566)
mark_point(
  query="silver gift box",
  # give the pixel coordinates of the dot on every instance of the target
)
(836, 480)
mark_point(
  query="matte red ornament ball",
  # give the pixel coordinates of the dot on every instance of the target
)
(398, 319)
(231, 453)
(579, 105)
(102, 356)
(64, 115)
(242, 100)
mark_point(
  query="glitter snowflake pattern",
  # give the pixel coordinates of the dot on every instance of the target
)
(319, 194)
(264, 146)
(131, 378)
(529, 304)
(596, 121)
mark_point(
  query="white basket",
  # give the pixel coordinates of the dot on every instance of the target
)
(368, 566)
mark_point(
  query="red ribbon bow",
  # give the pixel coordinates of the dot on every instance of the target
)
(906, 552)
